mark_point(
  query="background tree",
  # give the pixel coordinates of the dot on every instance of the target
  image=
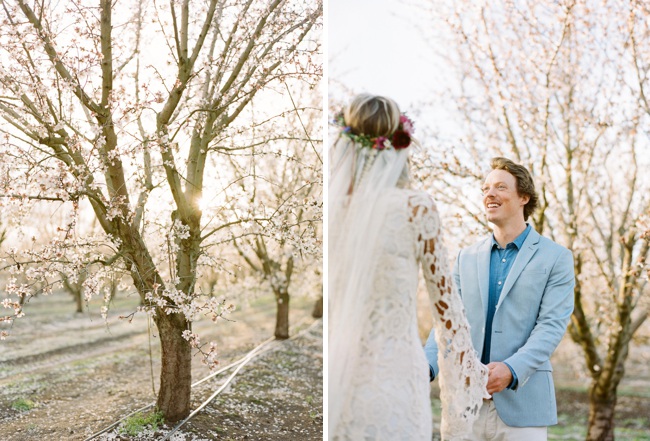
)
(292, 199)
(317, 311)
(115, 109)
(556, 86)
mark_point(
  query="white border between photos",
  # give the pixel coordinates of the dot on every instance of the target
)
(325, 119)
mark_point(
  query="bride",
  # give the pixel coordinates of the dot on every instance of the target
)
(380, 232)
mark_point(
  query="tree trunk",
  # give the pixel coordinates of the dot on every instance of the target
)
(601, 415)
(78, 300)
(176, 358)
(75, 289)
(317, 312)
(282, 316)
(176, 371)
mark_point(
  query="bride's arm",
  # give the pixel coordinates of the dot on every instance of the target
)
(462, 377)
(431, 346)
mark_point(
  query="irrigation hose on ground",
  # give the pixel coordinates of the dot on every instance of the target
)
(258, 350)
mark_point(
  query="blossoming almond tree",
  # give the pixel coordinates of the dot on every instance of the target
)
(287, 188)
(559, 87)
(115, 108)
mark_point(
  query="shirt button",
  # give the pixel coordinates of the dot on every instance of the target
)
(499, 282)
(503, 260)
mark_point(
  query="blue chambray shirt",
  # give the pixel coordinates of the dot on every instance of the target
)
(501, 260)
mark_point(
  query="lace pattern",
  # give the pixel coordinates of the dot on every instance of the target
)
(388, 393)
(462, 377)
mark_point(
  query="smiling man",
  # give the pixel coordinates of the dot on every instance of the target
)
(517, 288)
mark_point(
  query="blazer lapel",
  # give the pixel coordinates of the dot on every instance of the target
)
(527, 251)
(483, 271)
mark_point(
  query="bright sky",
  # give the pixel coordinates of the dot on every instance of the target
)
(379, 47)
(376, 46)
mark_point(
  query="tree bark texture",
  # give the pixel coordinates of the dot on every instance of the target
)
(601, 415)
(176, 372)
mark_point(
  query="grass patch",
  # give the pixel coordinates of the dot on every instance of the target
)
(23, 405)
(139, 422)
(628, 391)
(579, 433)
(568, 432)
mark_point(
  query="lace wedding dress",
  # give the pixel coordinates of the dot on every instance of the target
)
(386, 395)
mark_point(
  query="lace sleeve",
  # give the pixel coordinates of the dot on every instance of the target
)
(462, 377)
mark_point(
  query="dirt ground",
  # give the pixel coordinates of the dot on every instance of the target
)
(82, 375)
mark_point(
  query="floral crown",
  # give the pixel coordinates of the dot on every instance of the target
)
(400, 139)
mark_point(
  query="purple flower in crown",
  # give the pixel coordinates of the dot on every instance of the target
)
(380, 143)
(407, 124)
(347, 129)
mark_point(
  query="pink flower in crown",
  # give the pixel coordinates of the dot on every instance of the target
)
(380, 143)
(407, 124)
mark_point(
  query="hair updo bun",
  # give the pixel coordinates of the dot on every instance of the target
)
(372, 115)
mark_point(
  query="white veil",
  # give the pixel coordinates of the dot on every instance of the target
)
(360, 175)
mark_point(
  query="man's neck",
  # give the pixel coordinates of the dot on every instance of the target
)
(507, 233)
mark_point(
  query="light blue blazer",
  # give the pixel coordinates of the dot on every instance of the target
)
(530, 319)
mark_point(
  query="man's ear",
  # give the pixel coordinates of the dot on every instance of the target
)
(524, 199)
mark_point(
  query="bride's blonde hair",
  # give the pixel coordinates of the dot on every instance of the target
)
(372, 115)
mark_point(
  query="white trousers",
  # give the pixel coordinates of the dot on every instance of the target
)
(489, 427)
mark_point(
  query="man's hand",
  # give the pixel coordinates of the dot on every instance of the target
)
(499, 377)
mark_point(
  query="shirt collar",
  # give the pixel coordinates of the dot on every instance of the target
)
(518, 242)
